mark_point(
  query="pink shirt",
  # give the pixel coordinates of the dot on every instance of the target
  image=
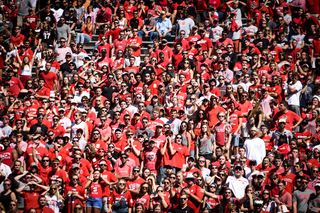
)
(23, 147)
(225, 42)
(265, 105)
(130, 162)
(123, 171)
(62, 52)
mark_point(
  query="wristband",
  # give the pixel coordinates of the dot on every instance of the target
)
(251, 199)
(204, 192)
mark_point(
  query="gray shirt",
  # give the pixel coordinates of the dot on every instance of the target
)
(302, 198)
(80, 11)
(63, 31)
(205, 145)
(185, 24)
(6, 131)
(24, 6)
(150, 24)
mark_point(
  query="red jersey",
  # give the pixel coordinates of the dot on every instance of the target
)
(115, 197)
(150, 158)
(109, 177)
(136, 40)
(30, 200)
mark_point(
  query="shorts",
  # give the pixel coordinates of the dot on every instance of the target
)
(207, 156)
(93, 202)
(235, 140)
(245, 130)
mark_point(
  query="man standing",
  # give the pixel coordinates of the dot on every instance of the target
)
(50, 79)
(183, 207)
(63, 31)
(23, 6)
(292, 91)
(253, 144)
(62, 50)
(237, 183)
(302, 196)
(193, 192)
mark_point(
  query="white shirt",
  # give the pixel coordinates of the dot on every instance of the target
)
(255, 149)
(205, 174)
(293, 99)
(66, 123)
(7, 171)
(246, 86)
(237, 185)
(132, 109)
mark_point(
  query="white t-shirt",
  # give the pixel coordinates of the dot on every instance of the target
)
(293, 99)
(66, 123)
(237, 186)
(255, 149)
(216, 32)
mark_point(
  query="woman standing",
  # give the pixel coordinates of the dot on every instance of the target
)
(74, 194)
(94, 202)
(26, 66)
(54, 199)
(186, 136)
(255, 115)
(210, 202)
(187, 71)
(120, 199)
(268, 204)
(204, 144)
(247, 205)
(7, 195)
(143, 197)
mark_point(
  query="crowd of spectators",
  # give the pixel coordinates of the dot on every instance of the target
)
(164, 106)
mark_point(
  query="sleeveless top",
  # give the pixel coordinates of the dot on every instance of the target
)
(121, 24)
(86, 32)
(26, 71)
(184, 139)
(5, 200)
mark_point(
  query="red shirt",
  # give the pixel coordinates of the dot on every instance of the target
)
(167, 53)
(15, 86)
(205, 43)
(107, 47)
(120, 45)
(109, 177)
(17, 40)
(49, 79)
(135, 184)
(290, 182)
(115, 196)
(195, 190)
(234, 120)
(275, 53)
(136, 40)
(58, 131)
(70, 201)
(28, 154)
(32, 20)
(53, 175)
(289, 116)
(179, 157)
(150, 158)
(30, 200)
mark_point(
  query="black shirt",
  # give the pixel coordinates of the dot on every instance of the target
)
(262, 44)
(50, 18)
(232, 58)
(134, 23)
(108, 90)
(47, 36)
(36, 127)
(70, 21)
(179, 209)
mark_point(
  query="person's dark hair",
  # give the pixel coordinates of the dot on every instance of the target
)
(284, 103)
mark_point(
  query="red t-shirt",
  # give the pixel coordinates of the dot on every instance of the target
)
(30, 200)
(135, 40)
(290, 182)
(289, 116)
(109, 177)
(49, 79)
(115, 196)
